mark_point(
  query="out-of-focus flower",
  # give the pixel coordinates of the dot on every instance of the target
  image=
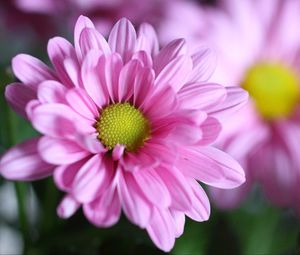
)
(103, 13)
(258, 48)
(15, 21)
(124, 126)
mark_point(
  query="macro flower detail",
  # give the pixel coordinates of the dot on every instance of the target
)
(125, 127)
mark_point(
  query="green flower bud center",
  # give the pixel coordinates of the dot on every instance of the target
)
(274, 89)
(123, 124)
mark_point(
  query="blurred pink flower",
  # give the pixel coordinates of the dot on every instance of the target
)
(124, 126)
(258, 48)
(104, 13)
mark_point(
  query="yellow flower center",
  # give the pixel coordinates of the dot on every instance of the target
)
(123, 124)
(274, 89)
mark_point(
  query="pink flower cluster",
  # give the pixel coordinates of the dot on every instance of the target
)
(125, 126)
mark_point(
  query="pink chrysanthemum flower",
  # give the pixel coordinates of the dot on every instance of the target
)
(258, 44)
(124, 126)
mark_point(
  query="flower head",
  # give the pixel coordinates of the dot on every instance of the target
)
(258, 47)
(124, 126)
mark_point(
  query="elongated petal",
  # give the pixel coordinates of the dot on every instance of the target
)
(204, 64)
(178, 187)
(134, 204)
(161, 229)
(179, 221)
(19, 96)
(82, 103)
(200, 207)
(54, 119)
(153, 187)
(51, 92)
(59, 151)
(67, 207)
(81, 23)
(147, 39)
(122, 39)
(211, 129)
(235, 99)
(127, 80)
(23, 162)
(92, 179)
(169, 53)
(175, 73)
(64, 175)
(59, 49)
(211, 166)
(201, 96)
(91, 77)
(90, 38)
(30, 70)
(105, 211)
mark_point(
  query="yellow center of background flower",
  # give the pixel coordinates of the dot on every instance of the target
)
(122, 124)
(274, 89)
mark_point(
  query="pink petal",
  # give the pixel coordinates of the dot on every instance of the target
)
(211, 166)
(55, 120)
(81, 103)
(64, 175)
(92, 179)
(59, 151)
(59, 49)
(90, 38)
(168, 53)
(201, 96)
(138, 161)
(165, 102)
(110, 69)
(178, 221)
(147, 39)
(178, 187)
(51, 92)
(30, 70)
(187, 134)
(91, 143)
(67, 207)
(204, 65)
(144, 58)
(235, 99)
(160, 151)
(105, 211)
(211, 129)
(134, 204)
(91, 77)
(31, 105)
(175, 73)
(72, 69)
(127, 80)
(161, 229)
(23, 162)
(19, 96)
(81, 23)
(153, 187)
(200, 207)
(122, 39)
(118, 152)
(143, 84)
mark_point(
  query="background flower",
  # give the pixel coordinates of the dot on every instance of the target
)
(258, 49)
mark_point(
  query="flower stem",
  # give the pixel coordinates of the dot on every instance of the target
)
(21, 191)
(20, 187)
